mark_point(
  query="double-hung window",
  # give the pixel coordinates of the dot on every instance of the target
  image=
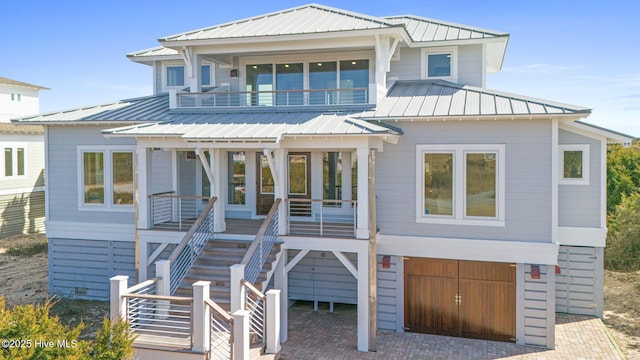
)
(14, 160)
(460, 184)
(106, 178)
(574, 164)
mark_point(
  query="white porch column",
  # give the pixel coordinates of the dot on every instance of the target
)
(384, 52)
(192, 69)
(346, 178)
(240, 335)
(281, 282)
(144, 187)
(281, 165)
(201, 317)
(236, 290)
(217, 169)
(362, 228)
(363, 298)
(118, 304)
(163, 271)
(272, 324)
(175, 184)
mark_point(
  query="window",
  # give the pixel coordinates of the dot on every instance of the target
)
(106, 178)
(439, 63)
(259, 78)
(14, 161)
(461, 184)
(237, 171)
(289, 77)
(175, 75)
(297, 175)
(205, 75)
(574, 164)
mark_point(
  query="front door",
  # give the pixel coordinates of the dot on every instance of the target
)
(264, 185)
(472, 299)
(299, 184)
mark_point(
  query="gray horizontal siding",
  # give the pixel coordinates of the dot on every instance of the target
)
(470, 65)
(388, 294)
(320, 276)
(580, 205)
(63, 174)
(82, 268)
(536, 321)
(161, 171)
(528, 174)
(408, 67)
(21, 213)
(579, 284)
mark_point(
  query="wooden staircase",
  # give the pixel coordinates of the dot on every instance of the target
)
(213, 265)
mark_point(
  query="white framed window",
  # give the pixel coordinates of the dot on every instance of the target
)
(574, 164)
(460, 184)
(106, 178)
(14, 160)
(174, 75)
(440, 63)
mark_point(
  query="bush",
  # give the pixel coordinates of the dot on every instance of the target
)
(623, 240)
(30, 332)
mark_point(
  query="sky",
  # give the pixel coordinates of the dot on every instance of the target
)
(584, 53)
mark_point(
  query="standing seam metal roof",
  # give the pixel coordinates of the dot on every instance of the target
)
(423, 29)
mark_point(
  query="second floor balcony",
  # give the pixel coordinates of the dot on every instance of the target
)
(216, 98)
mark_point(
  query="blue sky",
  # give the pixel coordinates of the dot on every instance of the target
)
(586, 54)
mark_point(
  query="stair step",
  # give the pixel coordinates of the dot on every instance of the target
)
(229, 243)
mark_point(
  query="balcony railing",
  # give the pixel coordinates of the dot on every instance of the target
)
(330, 218)
(173, 212)
(350, 96)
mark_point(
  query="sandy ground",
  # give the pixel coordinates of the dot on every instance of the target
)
(23, 280)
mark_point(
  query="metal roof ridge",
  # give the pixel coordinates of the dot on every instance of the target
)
(279, 12)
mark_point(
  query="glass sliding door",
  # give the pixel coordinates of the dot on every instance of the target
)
(354, 74)
(323, 76)
(259, 79)
(289, 83)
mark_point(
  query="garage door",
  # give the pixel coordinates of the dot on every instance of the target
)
(579, 284)
(460, 298)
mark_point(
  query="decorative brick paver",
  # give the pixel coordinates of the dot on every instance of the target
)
(323, 335)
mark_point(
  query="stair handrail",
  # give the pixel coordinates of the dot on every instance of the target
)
(187, 251)
(256, 256)
(220, 332)
(255, 302)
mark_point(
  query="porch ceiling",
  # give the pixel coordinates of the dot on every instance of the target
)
(271, 126)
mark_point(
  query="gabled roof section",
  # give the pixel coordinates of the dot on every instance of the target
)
(270, 126)
(7, 81)
(423, 29)
(306, 19)
(150, 108)
(439, 99)
(153, 52)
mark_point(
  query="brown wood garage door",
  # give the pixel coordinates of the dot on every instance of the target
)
(460, 298)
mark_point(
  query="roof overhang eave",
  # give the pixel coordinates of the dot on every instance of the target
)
(567, 116)
(613, 137)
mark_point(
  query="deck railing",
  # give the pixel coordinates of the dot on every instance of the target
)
(331, 218)
(255, 304)
(262, 245)
(187, 251)
(220, 332)
(348, 96)
(173, 212)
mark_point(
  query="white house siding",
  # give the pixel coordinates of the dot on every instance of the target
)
(21, 213)
(579, 286)
(28, 105)
(63, 175)
(579, 205)
(470, 65)
(528, 170)
(537, 307)
(81, 268)
(161, 171)
(389, 297)
(320, 276)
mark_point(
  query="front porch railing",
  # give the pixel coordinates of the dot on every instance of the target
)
(187, 251)
(262, 245)
(173, 212)
(350, 96)
(220, 332)
(255, 304)
(331, 218)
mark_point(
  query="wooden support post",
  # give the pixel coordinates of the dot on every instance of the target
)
(272, 325)
(241, 335)
(237, 291)
(118, 303)
(201, 317)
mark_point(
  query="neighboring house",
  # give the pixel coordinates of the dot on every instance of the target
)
(404, 185)
(22, 162)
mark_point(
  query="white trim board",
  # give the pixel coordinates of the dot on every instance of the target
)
(90, 231)
(581, 236)
(469, 249)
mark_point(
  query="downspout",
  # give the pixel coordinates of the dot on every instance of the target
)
(373, 261)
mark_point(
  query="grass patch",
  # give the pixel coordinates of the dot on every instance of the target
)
(28, 250)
